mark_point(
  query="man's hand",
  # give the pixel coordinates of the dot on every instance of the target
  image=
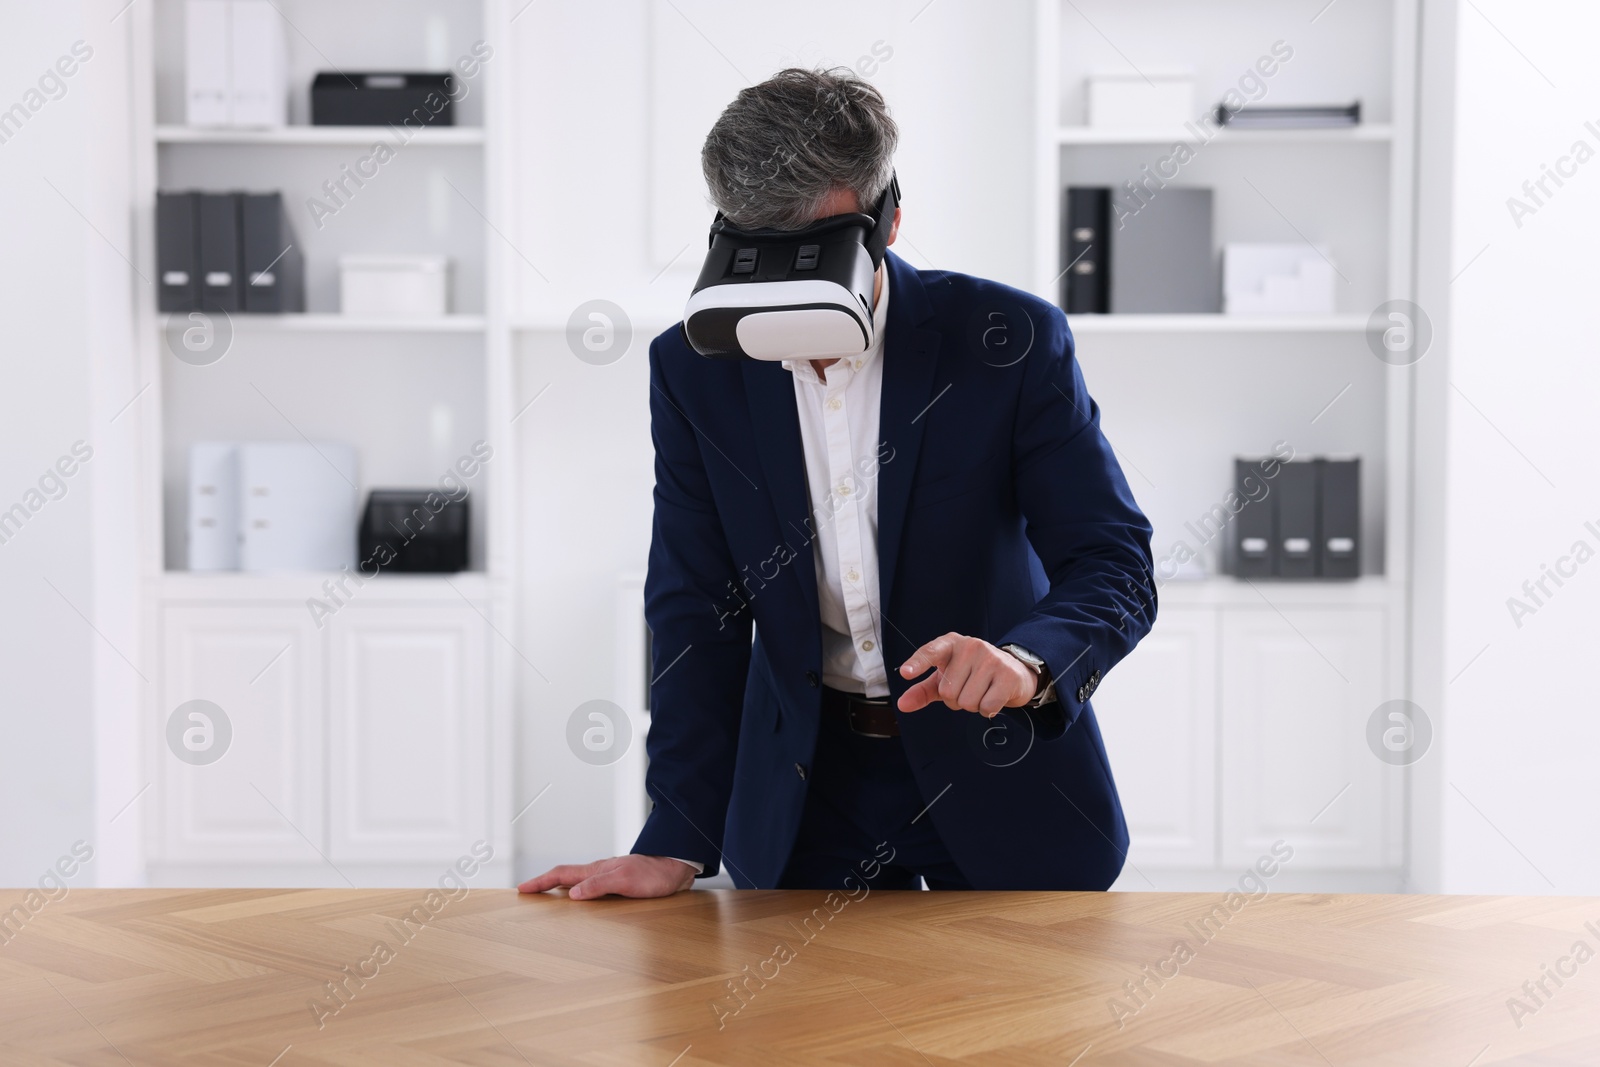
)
(626, 876)
(969, 674)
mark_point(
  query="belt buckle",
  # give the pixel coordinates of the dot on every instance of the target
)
(851, 718)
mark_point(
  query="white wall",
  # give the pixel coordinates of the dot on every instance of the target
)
(1506, 439)
(47, 649)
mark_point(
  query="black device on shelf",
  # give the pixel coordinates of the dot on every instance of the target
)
(1301, 521)
(414, 531)
(377, 99)
(227, 252)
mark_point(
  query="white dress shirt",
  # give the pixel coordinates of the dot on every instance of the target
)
(839, 422)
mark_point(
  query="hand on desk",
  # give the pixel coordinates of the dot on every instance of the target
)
(626, 876)
(969, 674)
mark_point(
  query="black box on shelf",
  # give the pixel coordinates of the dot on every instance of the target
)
(414, 531)
(408, 100)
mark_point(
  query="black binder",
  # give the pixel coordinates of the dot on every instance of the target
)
(1251, 549)
(1085, 248)
(274, 268)
(219, 252)
(1295, 489)
(178, 251)
(1339, 545)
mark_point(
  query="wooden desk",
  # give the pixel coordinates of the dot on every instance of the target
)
(177, 977)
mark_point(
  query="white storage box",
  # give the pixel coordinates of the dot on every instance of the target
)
(1140, 101)
(394, 287)
(1276, 280)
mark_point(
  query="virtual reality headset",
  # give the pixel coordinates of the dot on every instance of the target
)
(790, 294)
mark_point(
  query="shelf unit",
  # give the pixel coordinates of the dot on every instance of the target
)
(1095, 135)
(1241, 676)
(412, 394)
(434, 136)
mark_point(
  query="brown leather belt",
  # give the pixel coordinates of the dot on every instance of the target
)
(869, 718)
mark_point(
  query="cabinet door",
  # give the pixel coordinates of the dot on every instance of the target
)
(1158, 712)
(409, 774)
(261, 800)
(1297, 690)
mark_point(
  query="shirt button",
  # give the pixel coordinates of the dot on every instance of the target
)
(867, 646)
(835, 404)
(853, 576)
(801, 771)
(844, 490)
(858, 364)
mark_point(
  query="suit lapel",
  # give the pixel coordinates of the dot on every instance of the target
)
(775, 419)
(910, 358)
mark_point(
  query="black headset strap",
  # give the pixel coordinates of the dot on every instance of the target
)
(877, 243)
(878, 239)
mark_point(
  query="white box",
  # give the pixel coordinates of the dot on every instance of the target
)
(259, 77)
(1140, 101)
(1277, 280)
(207, 50)
(214, 506)
(394, 287)
(297, 506)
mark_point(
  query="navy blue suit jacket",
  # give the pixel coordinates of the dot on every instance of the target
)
(1002, 514)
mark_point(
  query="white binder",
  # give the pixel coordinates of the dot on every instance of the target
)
(208, 49)
(298, 506)
(260, 89)
(214, 506)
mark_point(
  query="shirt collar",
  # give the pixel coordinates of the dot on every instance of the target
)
(880, 317)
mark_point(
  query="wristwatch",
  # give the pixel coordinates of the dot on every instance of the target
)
(1047, 685)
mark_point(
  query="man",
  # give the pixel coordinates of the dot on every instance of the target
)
(881, 589)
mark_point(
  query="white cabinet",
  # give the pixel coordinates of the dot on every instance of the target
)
(360, 749)
(1297, 690)
(262, 667)
(1238, 722)
(1158, 714)
(406, 742)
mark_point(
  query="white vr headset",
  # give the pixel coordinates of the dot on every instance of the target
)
(790, 294)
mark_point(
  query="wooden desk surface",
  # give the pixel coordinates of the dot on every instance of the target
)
(235, 977)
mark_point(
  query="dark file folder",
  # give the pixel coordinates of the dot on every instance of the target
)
(1250, 550)
(1339, 543)
(1085, 286)
(178, 251)
(273, 266)
(1295, 490)
(219, 252)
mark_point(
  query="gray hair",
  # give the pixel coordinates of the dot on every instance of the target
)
(781, 147)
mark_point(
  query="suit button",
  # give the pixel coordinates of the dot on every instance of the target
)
(1083, 693)
(801, 771)
(1094, 679)
(811, 676)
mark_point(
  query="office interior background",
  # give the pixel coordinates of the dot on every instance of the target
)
(478, 300)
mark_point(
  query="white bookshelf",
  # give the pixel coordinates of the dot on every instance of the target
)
(1252, 675)
(410, 394)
